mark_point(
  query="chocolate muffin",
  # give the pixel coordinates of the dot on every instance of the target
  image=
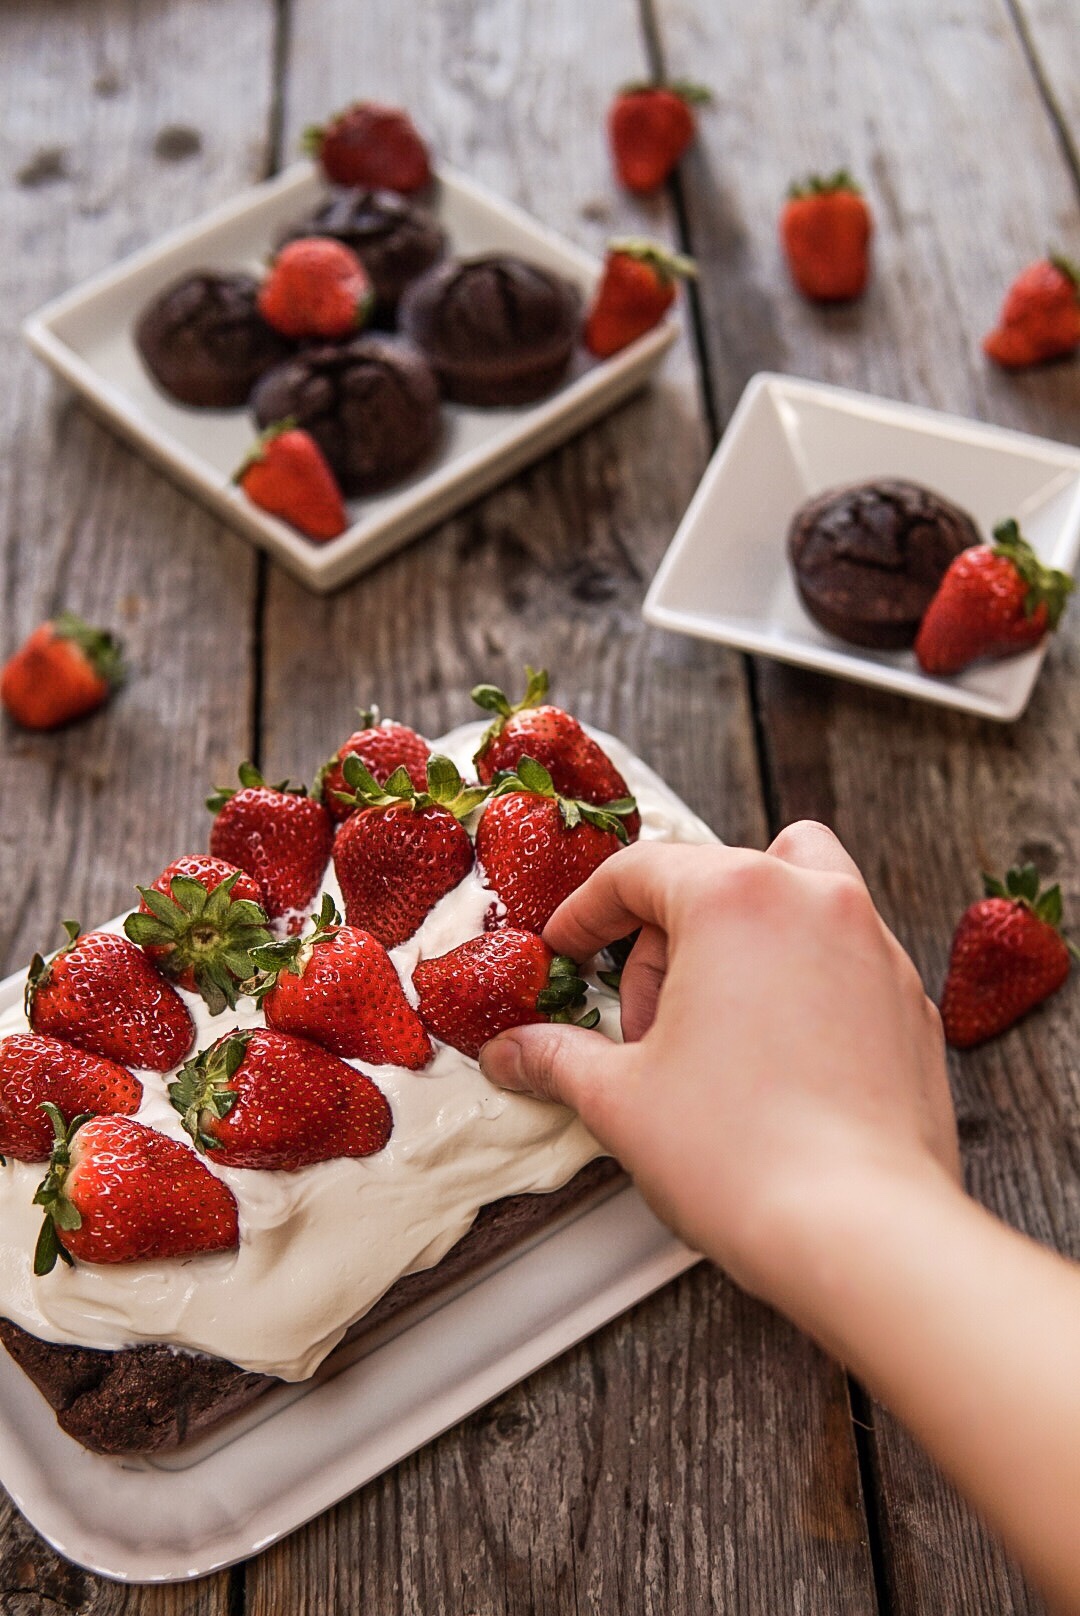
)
(868, 558)
(204, 341)
(372, 406)
(393, 238)
(498, 330)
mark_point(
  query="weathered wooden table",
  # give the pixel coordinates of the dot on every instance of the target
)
(699, 1454)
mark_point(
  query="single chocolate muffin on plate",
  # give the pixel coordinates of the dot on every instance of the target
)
(868, 558)
(371, 404)
(498, 330)
(204, 341)
(393, 238)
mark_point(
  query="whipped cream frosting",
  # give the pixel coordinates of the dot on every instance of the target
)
(319, 1247)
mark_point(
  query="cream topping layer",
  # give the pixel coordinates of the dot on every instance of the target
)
(320, 1246)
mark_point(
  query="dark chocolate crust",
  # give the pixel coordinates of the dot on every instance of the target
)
(393, 238)
(151, 1398)
(868, 558)
(372, 406)
(204, 341)
(497, 329)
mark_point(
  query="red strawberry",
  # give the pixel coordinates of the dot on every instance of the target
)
(62, 672)
(338, 987)
(197, 922)
(536, 847)
(102, 993)
(316, 287)
(825, 230)
(381, 748)
(1040, 318)
(579, 767)
(371, 147)
(650, 126)
(279, 835)
(636, 290)
(404, 849)
(263, 1099)
(994, 601)
(117, 1191)
(503, 979)
(287, 474)
(1008, 955)
(34, 1069)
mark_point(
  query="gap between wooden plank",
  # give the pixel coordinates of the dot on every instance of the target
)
(1046, 94)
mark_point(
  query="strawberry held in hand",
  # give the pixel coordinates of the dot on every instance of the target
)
(198, 922)
(994, 601)
(503, 979)
(65, 670)
(35, 1069)
(1040, 318)
(381, 747)
(825, 229)
(636, 290)
(370, 146)
(279, 835)
(266, 1100)
(1008, 955)
(117, 1191)
(650, 126)
(287, 474)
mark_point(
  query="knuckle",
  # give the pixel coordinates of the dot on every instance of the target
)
(799, 837)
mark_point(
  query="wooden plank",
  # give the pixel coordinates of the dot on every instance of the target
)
(1049, 34)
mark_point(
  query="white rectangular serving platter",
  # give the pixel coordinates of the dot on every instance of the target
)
(86, 336)
(726, 575)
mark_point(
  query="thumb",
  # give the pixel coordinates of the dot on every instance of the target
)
(556, 1061)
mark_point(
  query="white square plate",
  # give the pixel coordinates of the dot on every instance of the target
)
(726, 575)
(86, 336)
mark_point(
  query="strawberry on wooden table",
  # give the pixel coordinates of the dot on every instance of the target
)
(403, 849)
(278, 834)
(287, 474)
(35, 1069)
(65, 670)
(1008, 955)
(198, 923)
(316, 287)
(265, 1099)
(825, 230)
(505, 978)
(338, 987)
(650, 126)
(535, 847)
(994, 601)
(102, 993)
(1040, 318)
(636, 290)
(117, 1191)
(382, 746)
(370, 146)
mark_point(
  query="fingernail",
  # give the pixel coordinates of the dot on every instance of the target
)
(500, 1062)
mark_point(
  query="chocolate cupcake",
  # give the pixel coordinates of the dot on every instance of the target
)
(868, 558)
(498, 330)
(393, 238)
(204, 341)
(372, 406)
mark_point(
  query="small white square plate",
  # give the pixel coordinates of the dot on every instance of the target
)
(726, 575)
(86, 336)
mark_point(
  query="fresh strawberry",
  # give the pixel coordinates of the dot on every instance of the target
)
(825, 230)
(403, 849)
(371, 147)
(279, 835)
(536, 847)
(381, 747)
(994, 601)
(198, 922)
(579, 767)
(1008, 955)
(288, 475)
(117, 1191)
(264, 1099)
(1040, 318)
(650, 126)
(636, 290)
(338, 987)
(34, 1069)
(62, 672)
(503, 979)
(101, 993)
(316, 287)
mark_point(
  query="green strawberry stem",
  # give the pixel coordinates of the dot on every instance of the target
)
(824, 185)
(250, 778)
(666, 264)
(445, 788)
(209, 932)
(531, 776)
(202, 1084)
(102, 650)
(38, 973)
(694, 94)
(60, 1212)
(271, 960)
(494, 700)
(1067, 267)
(258, 449)
(1045, 585)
